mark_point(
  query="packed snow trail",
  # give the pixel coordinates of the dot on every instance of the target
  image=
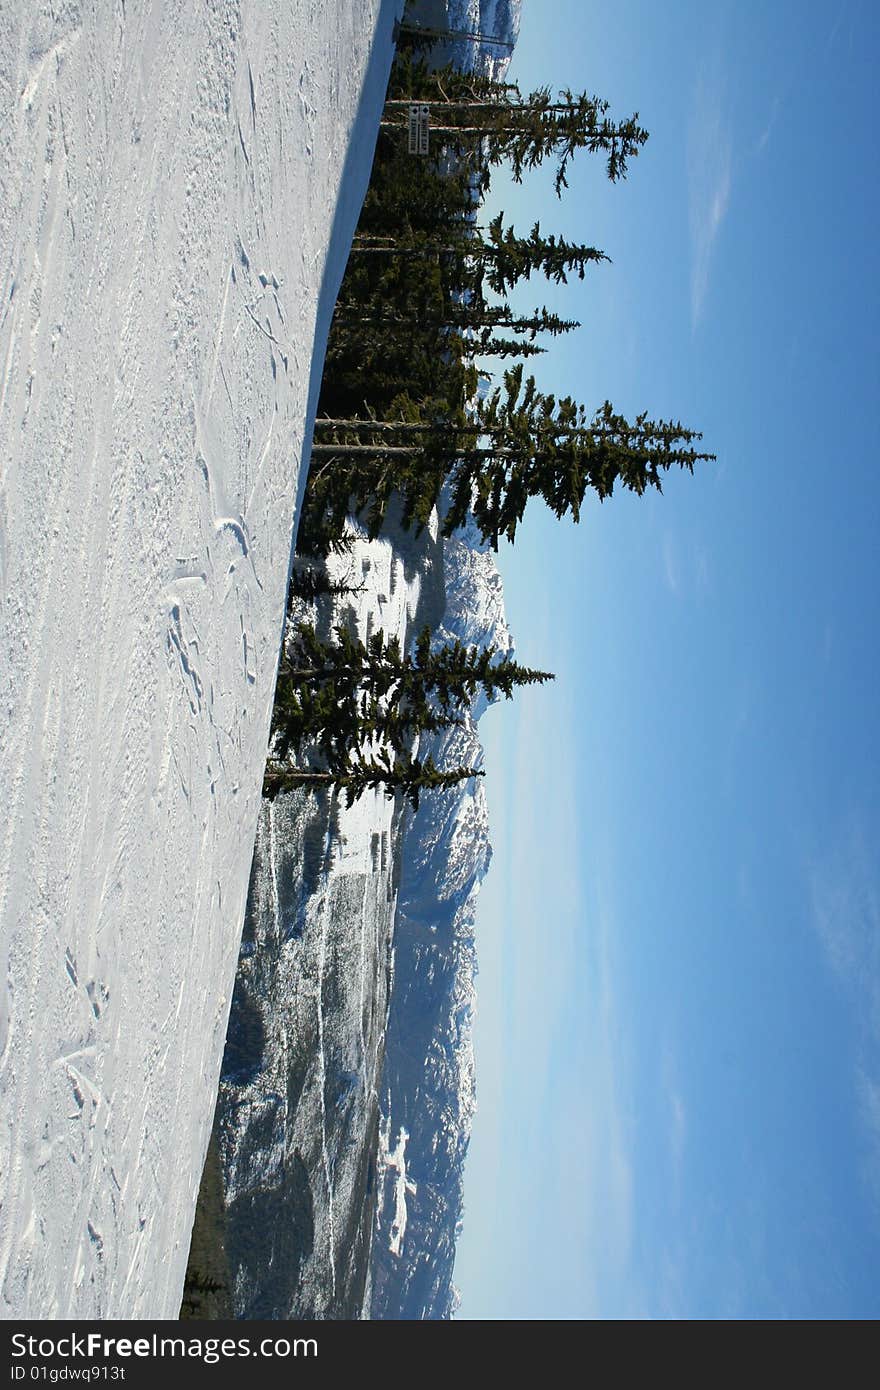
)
(171, 178)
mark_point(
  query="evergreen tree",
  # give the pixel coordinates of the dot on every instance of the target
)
(345, 702)
(501, 258)
(345, 683)
(516, 444)
(533, 445)
(408, 776)
(466, 317)
(416, 194)
(310, 581)
(497, 124)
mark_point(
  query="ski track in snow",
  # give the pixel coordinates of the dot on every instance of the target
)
(169, 175)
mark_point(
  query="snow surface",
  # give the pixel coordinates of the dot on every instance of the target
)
(394, 1160)
(178, 185)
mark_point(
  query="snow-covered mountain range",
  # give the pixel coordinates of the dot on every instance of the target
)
(297, 1122)
(428, 1084)
(347, 1088)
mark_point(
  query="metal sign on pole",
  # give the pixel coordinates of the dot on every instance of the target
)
(418, 127)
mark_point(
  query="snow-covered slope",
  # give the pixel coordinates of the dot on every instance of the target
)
(171, 177)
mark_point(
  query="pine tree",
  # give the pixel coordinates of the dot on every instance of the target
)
(344, 702)
(310, 581)
(467, 317)
(497, 124)
(501, 258)
(408, 776)
(445, 678)
(518, 443)
(533, 445)
(416, 195)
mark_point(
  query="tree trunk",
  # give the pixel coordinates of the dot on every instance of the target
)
(477, 130)
(471, 249)
(381, 449)
(412, 427)
(449, 321)
(294, 778)
(505, 107)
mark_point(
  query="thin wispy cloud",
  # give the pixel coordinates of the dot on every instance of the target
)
(835, 35)
(671, 568)
(835, 28)
(709, 161)
(684, 566)
(677, 1112)
(764, 137)
(702, 569)
(869, 1106)
(845, 891)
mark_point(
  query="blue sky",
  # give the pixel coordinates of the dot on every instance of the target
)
(678, 1044)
